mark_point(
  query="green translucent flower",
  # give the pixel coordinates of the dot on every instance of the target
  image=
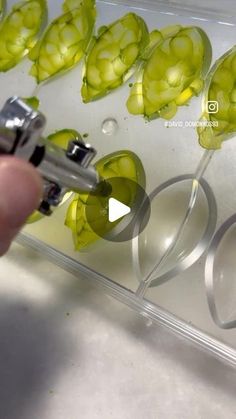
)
(219, 103)
(65, 40)
(61, 139)
(113, 54)
(124, 164)
(19, 31)
(172, 72)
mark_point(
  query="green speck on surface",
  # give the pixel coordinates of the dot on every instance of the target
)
(68, 314)
(86, 135)
(130, 84)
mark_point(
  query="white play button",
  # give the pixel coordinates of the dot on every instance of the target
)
(117, 210)
(120, 212)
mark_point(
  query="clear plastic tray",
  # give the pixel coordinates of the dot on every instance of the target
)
(180, 303)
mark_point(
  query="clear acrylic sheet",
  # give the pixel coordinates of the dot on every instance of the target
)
(167, 155)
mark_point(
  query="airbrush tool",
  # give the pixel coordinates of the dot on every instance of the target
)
(21, 129)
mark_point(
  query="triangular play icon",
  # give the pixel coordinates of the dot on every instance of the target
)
(117, 210)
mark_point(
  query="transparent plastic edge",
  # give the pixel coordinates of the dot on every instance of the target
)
(142, 306)
(168, 7)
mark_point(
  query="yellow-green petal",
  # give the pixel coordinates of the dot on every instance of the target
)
(32, 101)
(63, 137)
(69, 5)
(19, 31)
(113, 55)
(123, 164)
(64, 41)
(60, 138)
(219, 110)
(172, 72)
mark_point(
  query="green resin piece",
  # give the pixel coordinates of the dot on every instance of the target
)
(65, 41)
(32, 101)
(61, 139)
(113, 56)
(19, 31)
(218, 120)
(36, 216)
(172, 73)
(123, 164)
(70, 5)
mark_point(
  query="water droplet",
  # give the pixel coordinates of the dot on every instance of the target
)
(109, 126)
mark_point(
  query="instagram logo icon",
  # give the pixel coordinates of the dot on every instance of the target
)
(212, 106)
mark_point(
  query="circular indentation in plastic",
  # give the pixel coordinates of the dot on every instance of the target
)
(109, 126)
(104, 212)
(220, 271)
(182, 223)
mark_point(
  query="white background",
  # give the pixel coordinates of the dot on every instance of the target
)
(70, 352)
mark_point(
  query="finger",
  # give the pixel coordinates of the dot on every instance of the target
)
(4, 246)
(20, 194)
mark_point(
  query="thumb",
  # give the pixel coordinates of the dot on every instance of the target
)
(20, 194)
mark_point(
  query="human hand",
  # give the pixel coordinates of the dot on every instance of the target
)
(20, 194)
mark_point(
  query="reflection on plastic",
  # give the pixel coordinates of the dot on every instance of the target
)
(220, 275)
(184, 214)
